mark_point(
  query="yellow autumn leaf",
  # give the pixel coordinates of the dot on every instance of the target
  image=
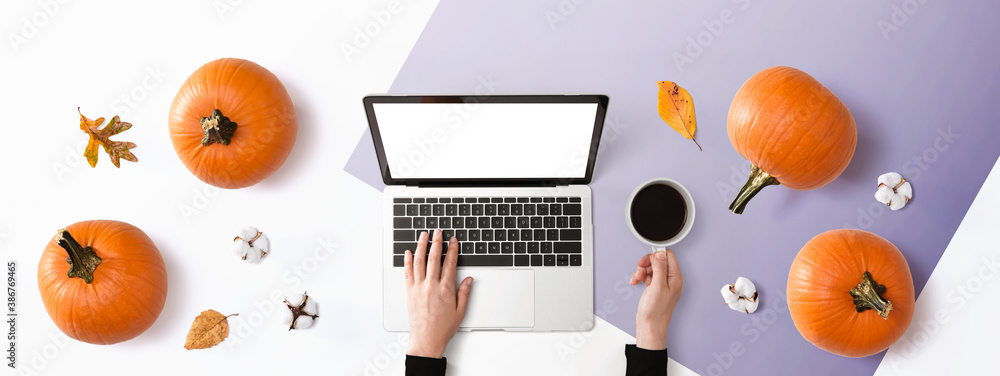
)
(676, 108)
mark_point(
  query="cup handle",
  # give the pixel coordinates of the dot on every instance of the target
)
(657, 248)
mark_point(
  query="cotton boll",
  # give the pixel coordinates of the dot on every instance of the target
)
(897, 202)
(740, 305)
(905, 190)
(311, 306)
(247, 233)
(262, 244)
(285, 314)
(893, 190)
(240, 249)
(744, 288)
(728, 295)
(304, 322)
(741, 296)
(299, 315)
(250, 244)
(891, 179)
(253, 255)
(884, 194)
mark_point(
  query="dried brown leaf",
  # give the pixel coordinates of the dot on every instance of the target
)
(207, 330)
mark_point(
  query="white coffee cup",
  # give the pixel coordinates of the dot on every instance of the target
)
(688, 220)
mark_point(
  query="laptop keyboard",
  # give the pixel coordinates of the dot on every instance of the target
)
(494, 231)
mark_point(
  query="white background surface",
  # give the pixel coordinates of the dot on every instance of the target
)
(323, 224)
(954, 327)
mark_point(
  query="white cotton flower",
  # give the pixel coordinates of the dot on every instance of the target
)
(897, 202)
(905, 190)
(728, 295)
(247, 232)
(883, 194)
(893, 190)
(891, 179)
(240, 249)
(305, 322)
(300, 313)
(252, 255)
(262, 244)
(744, 287)
(740, 305)
(741, 296)
(250, 244)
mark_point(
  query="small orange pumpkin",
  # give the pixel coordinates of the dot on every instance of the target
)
(794, 130)
(850, 293)
(110, 289)
(232, 123)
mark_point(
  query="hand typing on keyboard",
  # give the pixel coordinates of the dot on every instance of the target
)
(435, 309)
(661, 274)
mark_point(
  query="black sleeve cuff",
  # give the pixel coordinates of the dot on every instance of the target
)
(422, 366)
(642, 362)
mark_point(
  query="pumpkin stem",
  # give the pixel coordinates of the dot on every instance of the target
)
(868, 295)
(758, 180)
(82, 260)
(217, 129)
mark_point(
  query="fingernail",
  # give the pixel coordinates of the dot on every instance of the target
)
(423, 235)
(660, 255)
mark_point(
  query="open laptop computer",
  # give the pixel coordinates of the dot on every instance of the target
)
(507, 175)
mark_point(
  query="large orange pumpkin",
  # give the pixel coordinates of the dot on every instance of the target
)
(112, 286)
(794, 130)
(850, 293)
(232, 123)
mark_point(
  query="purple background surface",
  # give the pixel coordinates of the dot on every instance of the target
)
(910, 72)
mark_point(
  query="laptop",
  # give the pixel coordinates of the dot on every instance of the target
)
(507, 175)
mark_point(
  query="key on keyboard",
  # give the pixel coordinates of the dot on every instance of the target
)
(494, 231)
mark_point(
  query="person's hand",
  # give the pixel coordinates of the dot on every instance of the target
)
(661, 274)
(434, 308)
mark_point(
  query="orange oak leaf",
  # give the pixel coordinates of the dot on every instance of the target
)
(101, 137)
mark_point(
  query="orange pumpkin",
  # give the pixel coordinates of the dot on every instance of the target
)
(232, 123)
(850, 293)
(794, 130)
(110, 289)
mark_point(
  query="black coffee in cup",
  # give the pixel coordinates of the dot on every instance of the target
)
(658, 212)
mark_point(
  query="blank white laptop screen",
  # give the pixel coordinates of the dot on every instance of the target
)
(486, 140)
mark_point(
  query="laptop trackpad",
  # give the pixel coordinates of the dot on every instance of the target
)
(500, 299)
